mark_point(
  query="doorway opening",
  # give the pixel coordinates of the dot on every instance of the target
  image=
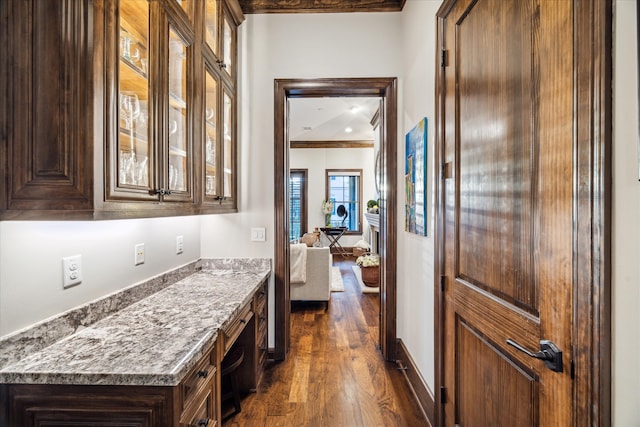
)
(385, 89)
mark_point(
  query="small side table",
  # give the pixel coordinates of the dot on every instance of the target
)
(334, 234)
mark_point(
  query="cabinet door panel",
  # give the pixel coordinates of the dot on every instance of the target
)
(130, 160)
(211, 164)
(68, 405)
(178, 109)
(228, 44)
(212, 25)
(46, 106)
(228, 145)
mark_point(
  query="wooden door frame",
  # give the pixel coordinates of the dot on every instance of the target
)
(592, 213)
(385, 88)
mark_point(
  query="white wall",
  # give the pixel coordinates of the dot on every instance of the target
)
(336, 45)
(277, 46)
(31, 261)
(626, 214)
(316, 160)
(416, 253)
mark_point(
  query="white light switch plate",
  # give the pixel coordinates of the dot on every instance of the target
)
(258, 234)
(179, 244)
(139, 254)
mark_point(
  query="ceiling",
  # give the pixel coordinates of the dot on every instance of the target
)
(313, 6)
(327, 119)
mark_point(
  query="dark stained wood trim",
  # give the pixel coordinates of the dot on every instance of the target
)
(4, 110)
(389, 220)
(312, 6)
(332, 144)
(417, 384)
(592, 206)
(439, 234)
(386, 88)
(282, 305)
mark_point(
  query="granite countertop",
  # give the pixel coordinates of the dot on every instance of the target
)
(154, 341)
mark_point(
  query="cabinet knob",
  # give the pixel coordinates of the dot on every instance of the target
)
(162, 192)
(202, 374)
(204, 422)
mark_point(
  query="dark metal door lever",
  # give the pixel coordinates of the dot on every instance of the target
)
(549, 353)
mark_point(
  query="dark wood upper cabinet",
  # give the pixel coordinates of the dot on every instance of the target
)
(118, 108)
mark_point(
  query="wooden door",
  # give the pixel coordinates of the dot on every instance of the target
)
(509, 212)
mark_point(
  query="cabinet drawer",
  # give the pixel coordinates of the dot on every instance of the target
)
(261, 295)
(198, 379)
(202, 413)
(262, 350)
(234, 329)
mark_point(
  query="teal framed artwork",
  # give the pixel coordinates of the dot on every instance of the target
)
(415, 179)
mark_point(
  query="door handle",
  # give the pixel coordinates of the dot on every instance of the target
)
(549, 353)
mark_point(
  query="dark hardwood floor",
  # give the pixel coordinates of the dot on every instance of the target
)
(333, 375)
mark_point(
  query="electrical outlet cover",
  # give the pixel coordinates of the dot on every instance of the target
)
(71, 271)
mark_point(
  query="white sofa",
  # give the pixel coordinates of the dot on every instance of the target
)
(318, 284)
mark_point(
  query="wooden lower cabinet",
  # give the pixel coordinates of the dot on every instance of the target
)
(74, 405)
(194, 402)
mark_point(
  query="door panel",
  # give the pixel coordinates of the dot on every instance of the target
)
(508, 191)
(495, 151)
(493, 390)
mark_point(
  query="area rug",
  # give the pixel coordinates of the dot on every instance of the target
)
(336, 280)
(365, 289)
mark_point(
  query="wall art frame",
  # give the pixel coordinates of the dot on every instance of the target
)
(415, 179)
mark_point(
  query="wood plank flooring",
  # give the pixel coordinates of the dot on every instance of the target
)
(333, 375)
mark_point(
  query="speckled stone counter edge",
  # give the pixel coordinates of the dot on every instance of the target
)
(34, 338)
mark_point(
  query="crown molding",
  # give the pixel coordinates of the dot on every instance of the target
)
(313, 6)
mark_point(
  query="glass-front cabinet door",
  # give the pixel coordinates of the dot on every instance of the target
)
(178, 161)
(212, 26)
(228, 146)
(172, 110)
(228, 44)
(211, 168)
(134, 142)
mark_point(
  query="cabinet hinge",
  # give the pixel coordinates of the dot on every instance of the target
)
(443, 395)
(442, 282)
(443, 58)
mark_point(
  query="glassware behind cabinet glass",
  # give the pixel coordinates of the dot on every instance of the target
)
(178, 108)
(211, 24)
(211, 98)
(228, 145)
(133, 96)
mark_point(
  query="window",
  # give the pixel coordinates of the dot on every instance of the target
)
(344, 188)
(297, 203)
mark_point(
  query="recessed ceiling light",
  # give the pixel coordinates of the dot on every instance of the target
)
(354, 109)
(348, 130)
